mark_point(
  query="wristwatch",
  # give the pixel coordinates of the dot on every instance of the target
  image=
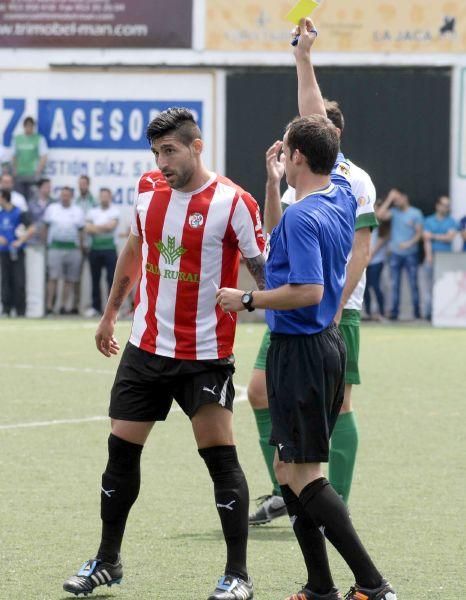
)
(247, 300)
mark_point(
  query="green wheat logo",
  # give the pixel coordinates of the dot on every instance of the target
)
(170, 252)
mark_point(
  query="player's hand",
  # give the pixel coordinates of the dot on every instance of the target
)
(229, 300)
(275, 162)
(104, 340)
(307, 34)
(405, 245)
(3, 241)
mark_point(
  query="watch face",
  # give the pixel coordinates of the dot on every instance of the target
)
(246, 298)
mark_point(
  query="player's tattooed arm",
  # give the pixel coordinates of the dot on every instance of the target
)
(256, 266)
(121, 291)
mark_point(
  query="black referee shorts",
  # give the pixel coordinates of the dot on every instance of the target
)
(146, 384)
(305, 385)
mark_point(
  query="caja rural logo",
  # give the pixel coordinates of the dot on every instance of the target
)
(171, 253)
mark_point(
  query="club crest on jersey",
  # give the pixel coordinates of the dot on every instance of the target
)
(344, 170)
(196, 220)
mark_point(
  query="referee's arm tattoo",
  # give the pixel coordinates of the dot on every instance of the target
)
(120, 292)
(256, 268)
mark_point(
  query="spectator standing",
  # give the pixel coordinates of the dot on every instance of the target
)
(15, 229)
(406, 233)
(65, 223)
(35, 251)
(101, 224)
(7, 183)
(29, 157)
(85, 200)
(440, 230)
(463, 232)
(379, 250)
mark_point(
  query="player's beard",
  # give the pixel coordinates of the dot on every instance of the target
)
(180, 178)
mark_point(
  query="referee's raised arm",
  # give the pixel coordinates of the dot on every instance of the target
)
(310, 99)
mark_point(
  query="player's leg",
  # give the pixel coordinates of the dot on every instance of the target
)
(19, 284)
(133, 412)
(208, 400)
(344, 440)
(429, 280)
(270, 506)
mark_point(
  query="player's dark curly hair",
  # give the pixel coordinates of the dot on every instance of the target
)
(333, 110)
(179, 120)
(316, 137)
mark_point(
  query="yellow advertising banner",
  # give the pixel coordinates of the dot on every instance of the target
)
(381, 26)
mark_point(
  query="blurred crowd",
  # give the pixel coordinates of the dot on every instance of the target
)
(46, 242)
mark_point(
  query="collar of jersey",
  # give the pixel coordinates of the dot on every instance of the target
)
(199, 190)
(322, 191)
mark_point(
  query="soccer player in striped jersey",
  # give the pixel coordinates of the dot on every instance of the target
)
(188, 230)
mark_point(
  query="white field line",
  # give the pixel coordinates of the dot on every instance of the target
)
(240, 390)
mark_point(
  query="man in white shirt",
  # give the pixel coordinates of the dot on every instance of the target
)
(101, 224)
(65, 223)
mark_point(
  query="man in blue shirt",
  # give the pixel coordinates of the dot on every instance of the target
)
(15, 230)
(406, 233)
(463, 232)
(440, 230)
(305, 277)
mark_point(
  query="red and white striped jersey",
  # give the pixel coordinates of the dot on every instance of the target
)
(190, 248)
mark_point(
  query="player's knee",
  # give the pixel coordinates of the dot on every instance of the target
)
(257, 393)
(222, 461)
(121, 479)
(281, 472)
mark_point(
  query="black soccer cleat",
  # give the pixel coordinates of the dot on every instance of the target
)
(268, 508)
(384, 592)
(92, 574)
(230, 587)
(307, 594)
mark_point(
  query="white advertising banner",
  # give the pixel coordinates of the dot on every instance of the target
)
(95, 123)
(449, 293)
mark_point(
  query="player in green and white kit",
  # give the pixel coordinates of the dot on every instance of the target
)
(344, 440)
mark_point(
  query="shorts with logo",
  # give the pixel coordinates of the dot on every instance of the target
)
(306, 386)
(146, 385)
(64, 264)
(349, 326)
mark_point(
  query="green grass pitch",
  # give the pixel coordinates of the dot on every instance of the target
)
(408, 498)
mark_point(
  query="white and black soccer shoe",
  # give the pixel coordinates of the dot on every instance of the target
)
(92, 574)
(268, 508)
(230, 587)
(384, 592)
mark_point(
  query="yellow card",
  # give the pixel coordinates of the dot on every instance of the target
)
(303, 9)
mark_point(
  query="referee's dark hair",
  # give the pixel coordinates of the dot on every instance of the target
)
(6, 195)
(178, 120)
(316, 137)
(333, 110)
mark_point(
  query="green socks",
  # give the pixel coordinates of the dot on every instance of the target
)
(343, 450)
(264, 426)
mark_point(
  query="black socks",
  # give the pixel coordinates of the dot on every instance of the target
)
(326, 508)
(232, 499)
(120, 488)
(311, 542)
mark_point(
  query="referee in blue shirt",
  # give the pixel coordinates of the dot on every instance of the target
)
(305, 276)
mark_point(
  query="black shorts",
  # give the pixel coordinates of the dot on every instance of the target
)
(305, 385)
(146, 384)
